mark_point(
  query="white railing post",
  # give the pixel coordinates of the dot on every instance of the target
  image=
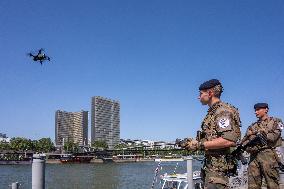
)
(189, 160)
(38, 172)
(15, 185)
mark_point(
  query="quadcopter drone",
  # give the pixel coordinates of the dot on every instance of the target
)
(39, 57)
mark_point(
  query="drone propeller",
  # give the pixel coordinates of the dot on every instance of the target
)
(29, 54)
(40, 50)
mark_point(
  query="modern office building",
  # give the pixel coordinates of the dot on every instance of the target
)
(71, 126)
(105, 121)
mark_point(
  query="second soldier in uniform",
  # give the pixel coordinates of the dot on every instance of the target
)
(220, 130)
(264, 161)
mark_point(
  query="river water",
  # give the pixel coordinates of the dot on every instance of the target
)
(94, 176)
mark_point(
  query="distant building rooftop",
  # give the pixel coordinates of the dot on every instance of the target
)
(2, 135)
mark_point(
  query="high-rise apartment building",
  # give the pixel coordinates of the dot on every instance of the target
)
(105, 121)
(71, 126)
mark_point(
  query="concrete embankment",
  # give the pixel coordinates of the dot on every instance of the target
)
(53, 161)
(131, 160)
(57, 161)
(96, 161)
(146, 160)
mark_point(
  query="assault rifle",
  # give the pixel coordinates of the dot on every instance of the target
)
(259, 139)
(281, 166)
(182, 143)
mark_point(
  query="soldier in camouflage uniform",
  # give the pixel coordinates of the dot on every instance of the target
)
(263, 158)
(220, 130)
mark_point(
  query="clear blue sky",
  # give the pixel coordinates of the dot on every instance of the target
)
(151, 55)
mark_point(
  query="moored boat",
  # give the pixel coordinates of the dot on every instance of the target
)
(179, 181)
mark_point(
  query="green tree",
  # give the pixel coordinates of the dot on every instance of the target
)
(100, 144)
(20, 143)
(44, 145)
(120, 146)
(4, 145)
(71, 147)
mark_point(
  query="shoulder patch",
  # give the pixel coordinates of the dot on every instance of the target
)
(224, 122)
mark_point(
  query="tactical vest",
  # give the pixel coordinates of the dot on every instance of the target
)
(269, 125)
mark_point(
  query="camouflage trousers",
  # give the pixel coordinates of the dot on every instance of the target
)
(215, 172)
(215, 179)
(263, 165)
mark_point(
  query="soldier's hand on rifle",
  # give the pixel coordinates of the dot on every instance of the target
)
(192, 145)
(182, 143)
(244, 142)
(262, 131)
(250, 133)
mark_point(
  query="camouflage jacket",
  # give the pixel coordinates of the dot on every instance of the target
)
(270, 128)
(222, 120)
